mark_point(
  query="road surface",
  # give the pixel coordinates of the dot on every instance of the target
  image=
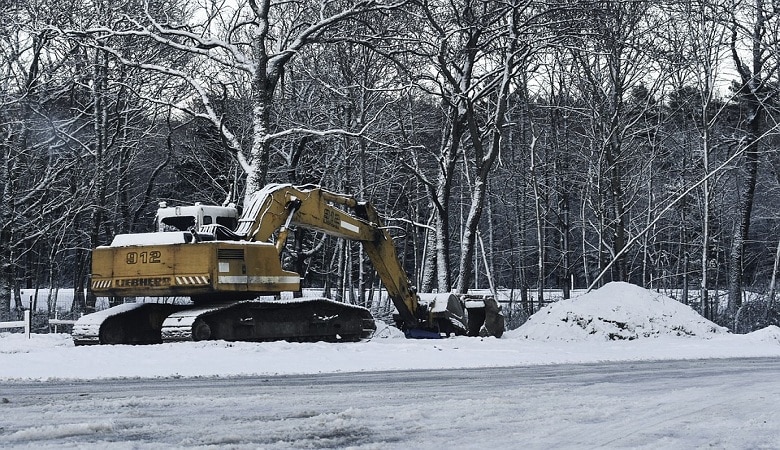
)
(732, 403)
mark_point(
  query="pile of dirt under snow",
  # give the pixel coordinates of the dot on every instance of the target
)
(617, 311)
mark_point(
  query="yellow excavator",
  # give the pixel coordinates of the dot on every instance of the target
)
(232, 273)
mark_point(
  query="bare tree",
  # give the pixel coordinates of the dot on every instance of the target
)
(20, 81)
(451, 45)
(231, 50)
(615, 60)
(754, 39)
(486, 130)
(475, 50)
(696, 73)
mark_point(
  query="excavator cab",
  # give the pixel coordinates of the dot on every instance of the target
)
(193, 217)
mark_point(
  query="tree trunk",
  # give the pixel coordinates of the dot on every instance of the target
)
(468, 242)
(743, 228)
(428, 270)
(6, 232)
(774, 277)
(618, 207)
(101, 144)
(443, 280)
(705, 233)
(752, 93)
(564, 229)
(264, 79)
(259, 154)
(540, 221)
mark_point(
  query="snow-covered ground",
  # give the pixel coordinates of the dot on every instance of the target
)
(662, 389)
(619, 322)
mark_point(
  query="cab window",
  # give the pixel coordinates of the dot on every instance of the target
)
(229, 222)
(178, 223)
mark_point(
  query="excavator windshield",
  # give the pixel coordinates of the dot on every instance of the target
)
(174, 223)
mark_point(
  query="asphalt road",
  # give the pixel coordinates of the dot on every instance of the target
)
(731, 403)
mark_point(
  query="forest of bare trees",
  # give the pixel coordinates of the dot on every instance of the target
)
(520, 145)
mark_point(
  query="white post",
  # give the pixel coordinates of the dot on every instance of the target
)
(572, 282)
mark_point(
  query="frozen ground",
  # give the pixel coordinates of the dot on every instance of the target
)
(647, 372)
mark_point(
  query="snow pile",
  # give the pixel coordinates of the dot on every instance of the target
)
(617, 311)
(385, 331)
(768, 334)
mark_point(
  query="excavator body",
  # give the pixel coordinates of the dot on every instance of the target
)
(176, 267)
(234, 277)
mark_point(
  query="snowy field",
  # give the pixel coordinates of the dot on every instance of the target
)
(621, 367)
(619, 322)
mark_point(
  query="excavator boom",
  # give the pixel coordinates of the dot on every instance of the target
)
(313, 207)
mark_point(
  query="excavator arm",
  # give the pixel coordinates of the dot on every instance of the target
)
(276, 207)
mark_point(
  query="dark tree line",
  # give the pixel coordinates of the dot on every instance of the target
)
(515, 145)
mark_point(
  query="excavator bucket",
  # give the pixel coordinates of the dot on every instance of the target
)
(446, 315)
(472, 315)
(484, 315)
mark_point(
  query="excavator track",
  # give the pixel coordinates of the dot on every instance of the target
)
(299, 320)
(130, 323)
